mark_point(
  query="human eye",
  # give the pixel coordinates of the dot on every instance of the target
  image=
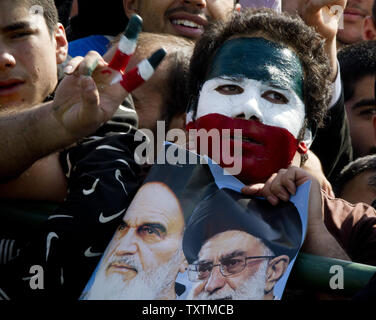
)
(204, 267)
(150, 232)
(203, 270)
(232, 263)
(229, 89)
(122, 226)
(20, 34)
(275, 97)
(367, 112)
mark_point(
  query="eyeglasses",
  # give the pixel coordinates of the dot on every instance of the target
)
(201, 271)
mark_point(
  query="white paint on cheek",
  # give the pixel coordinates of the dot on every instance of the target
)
(251, 103)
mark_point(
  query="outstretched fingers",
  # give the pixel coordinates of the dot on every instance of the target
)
(127, 44)
(143, 71)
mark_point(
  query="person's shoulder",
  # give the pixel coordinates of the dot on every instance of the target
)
(81, 47)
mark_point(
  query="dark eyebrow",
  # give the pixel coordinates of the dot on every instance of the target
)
(156, 226)
(233, 254)
(364, 103)
(16, 26)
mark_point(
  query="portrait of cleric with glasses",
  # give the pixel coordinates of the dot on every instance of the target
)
(238, 247)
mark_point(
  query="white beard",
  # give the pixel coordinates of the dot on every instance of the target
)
(146, 285)
(252, 289)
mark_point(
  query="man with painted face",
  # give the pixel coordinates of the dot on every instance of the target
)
(261, 79)
(279, 98)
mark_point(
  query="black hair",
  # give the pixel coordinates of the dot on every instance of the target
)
(354, 168)
(356, 61)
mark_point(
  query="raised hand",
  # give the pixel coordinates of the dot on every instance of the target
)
(325, 16)
(92, 90)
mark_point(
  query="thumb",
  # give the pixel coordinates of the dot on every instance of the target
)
(89, 94)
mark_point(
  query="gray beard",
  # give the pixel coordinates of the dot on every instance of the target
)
(151, 284)
(252, 289)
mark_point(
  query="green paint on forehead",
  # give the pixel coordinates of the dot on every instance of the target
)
(259, 59)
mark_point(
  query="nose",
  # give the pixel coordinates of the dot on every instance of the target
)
(7, 60)
(128, 243)
(201, 4)
(215, 282)
(248, 110)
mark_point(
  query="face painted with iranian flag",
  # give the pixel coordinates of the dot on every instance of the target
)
(255, 85)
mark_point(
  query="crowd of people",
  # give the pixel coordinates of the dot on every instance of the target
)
(303, 78)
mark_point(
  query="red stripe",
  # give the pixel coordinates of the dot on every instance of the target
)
(273, 149)
(120, 61)
(132, 80)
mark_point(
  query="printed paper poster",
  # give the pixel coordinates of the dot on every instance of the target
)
(189, 233)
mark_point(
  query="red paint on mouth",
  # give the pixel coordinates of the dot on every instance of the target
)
(265, 149)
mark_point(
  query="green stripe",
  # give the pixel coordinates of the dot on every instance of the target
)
(259, 59)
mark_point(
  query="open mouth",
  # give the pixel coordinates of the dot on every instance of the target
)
(188, 25)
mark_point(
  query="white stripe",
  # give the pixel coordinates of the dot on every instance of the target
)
(3, 295)
(105, 147)
(90, 191)
(50, 236)
(121, 107)
(117, 177)
(95, 137)
(59, 216)
(117, 78)
(123, 161)
(127, 46)
(69, 166)
(145, 69)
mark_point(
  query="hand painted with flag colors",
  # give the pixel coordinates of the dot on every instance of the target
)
(93, 89)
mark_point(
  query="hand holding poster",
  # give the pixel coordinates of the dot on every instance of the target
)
(190, 234)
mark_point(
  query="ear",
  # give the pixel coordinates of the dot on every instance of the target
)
(130, 7)
(61, 43)
(275, 271)
(369, 29)
(302, 147)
